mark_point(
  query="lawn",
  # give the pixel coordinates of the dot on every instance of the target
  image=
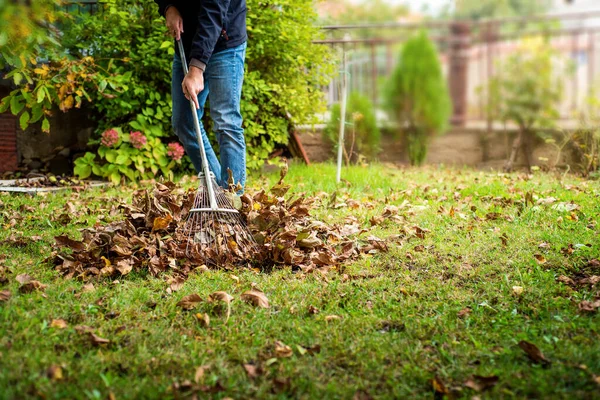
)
(499, 260)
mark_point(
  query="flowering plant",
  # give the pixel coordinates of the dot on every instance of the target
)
(175, 151)
(137, 139)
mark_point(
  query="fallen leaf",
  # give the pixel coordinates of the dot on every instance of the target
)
(313, 310)
(125, 266)
(439, 386)
(481, 383)
(199, 375)
(204, 319)
(540, 258)
(32, 286)
(161, 223)
(177, 284)
(256, 298)
(533, 352)
(282, 350)
(188, 302)
(224, 297)
(464, 312)
(54, 372)
(517, 290)
(65, 241)
(58, 323)
(330, 318)
(589, 306)
(5, 295)
(23, 278)
(97, 340)
(88, 287)
(566, 280)
(252, 371)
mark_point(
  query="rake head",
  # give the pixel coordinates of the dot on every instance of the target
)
(216, 235)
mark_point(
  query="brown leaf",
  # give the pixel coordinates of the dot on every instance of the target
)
(5, 295)
(517, 290)
(190, 301)
(309, 242)
(220, 296)
(97, 340)
(58, 323)
(204, 319)
(330, 318)
(23, 278)
(224, 297)
(589, 306)
(540, 258)
(313, 310)
(481, 383)
(566, 280)
(256, 298)
(125, 266)
(533, 352)
(439, 386)
(54, 372)
(464, 312)
(282, 350)
(252, 371)
(161, 222)
(65, 241)
(32, 286)
(177, 284)
(88, 287)
(199, 375)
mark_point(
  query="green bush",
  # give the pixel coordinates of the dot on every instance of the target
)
(283, 74)
(129, 67)
(362, 136)
(527, 91)
(129, 37)
(417, 96)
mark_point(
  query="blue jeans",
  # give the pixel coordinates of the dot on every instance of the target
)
(223, 80)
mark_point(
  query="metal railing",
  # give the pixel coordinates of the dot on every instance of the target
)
(470, 53)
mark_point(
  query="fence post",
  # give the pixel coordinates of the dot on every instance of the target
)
(460, 47)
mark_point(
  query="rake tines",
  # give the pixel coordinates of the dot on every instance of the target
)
(216, 234)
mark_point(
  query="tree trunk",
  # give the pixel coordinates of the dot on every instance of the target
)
(527, 148)
(517, 144)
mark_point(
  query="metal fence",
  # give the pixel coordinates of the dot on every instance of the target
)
(470, 53)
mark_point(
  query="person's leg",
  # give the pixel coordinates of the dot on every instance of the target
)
(183, 122)
(225, 75)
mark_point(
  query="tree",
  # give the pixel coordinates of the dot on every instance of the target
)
(418, 97)
(527, 92)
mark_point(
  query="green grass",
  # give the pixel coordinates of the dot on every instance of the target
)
(399, 324)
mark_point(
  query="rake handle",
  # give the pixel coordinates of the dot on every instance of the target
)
(205, 168)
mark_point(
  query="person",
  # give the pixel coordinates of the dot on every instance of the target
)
(213, 34)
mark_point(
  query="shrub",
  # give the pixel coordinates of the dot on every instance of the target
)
(417, 96)
(527, 91)
(362, 136)
(130, 68)
(283, 75)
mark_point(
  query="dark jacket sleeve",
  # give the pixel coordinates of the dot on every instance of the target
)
(210, 24)
(163, 5)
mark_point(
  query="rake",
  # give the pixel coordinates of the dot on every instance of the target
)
(215, 231)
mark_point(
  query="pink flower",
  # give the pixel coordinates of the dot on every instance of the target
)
(110, 138)
(137, 139)
(175, 151)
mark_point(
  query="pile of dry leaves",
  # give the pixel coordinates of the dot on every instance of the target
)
(149, 236)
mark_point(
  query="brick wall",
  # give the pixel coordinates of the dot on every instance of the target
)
(8, 142)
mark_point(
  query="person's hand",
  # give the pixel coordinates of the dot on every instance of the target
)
(193, 84)
(174, 22)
